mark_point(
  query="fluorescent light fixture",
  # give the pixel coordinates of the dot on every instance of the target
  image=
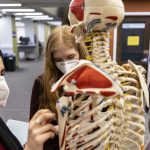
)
(17, 18)
(43, 16)
(133, 25)
(50, 18)
(11, 5)
(28, 14)
(137, 13)
(18, 10)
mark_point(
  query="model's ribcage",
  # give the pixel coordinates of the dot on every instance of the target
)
(97, 123)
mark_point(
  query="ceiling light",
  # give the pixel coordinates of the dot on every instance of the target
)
(11, 5)
(17, 10)
(50, 18)
(43, 16)
(28, 14)
(17, 18)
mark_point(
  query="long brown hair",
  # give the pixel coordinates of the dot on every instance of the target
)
(60, 36)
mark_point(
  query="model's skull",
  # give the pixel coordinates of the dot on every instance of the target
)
(96, 15)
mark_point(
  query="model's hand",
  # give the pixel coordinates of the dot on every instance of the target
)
(40, 129)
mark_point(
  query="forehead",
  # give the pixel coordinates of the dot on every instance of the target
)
(62, 52)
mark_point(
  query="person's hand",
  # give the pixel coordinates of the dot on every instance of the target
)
(40, 129)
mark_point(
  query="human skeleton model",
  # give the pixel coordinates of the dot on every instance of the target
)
(105, 111)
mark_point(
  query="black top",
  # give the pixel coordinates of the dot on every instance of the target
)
(8, 140)
(51, 144)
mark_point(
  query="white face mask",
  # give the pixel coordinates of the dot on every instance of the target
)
(4, 92)
(65, 66)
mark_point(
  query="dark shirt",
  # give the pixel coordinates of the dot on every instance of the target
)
(51, 144)
(7, 140)
(2, 147)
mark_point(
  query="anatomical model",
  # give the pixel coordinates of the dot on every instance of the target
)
(104, 106)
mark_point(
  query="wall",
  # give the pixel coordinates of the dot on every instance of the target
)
(137, 5)
(20, 32)
(41, 32)
(29, 30)
(6, 34)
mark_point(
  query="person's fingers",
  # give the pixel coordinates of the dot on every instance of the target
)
(44, 118)
(46, 128)
(39, 112)
(56, 129)
(45, 136)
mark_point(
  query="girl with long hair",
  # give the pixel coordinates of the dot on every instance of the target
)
(61, 51)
